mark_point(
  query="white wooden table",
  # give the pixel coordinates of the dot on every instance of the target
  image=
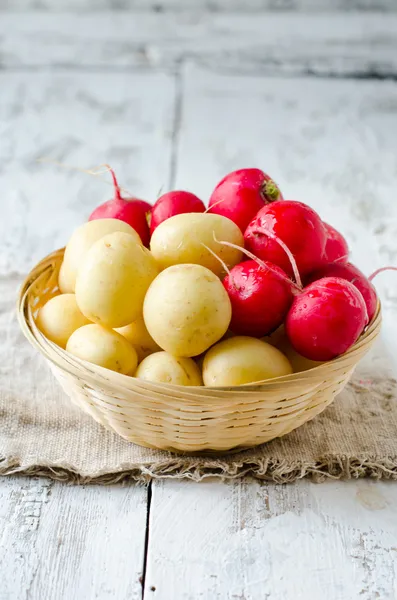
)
(172, 100)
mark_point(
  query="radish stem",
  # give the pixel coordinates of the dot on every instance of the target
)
(288, 253)
(115, 183)
(224, 265)
(381, 270)
(260, 263)
(94, 171)
(215, 204)
(341, 258)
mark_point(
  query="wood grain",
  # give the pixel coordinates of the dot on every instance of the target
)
(65, 542)
(337, 45)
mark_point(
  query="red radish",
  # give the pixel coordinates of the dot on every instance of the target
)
(174, 203)
(356, 277)
(284, 228)
(336, 248)
(260, 294)
(240, 195)
(130, 210)
(326, 319)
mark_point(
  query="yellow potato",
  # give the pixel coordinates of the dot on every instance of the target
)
(182, 240)
(200, 358)
(113, 279)
(137, 334)
(59, 318)
(186, 310)
(64, 280)
(103, 347)
(241, 360)
(81, 241)
(166, 368)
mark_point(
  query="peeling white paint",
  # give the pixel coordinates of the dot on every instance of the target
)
(253, 541)
(62, 542)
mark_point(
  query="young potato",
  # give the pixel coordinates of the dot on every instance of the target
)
(59, 318)
(103, 347)
(166, 368)
(241, 360)
(137, 334)
(182, 239)
(65, 280)
(113, 279)
(81, 241)
(186, 310)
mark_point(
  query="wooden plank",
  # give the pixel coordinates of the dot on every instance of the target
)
(352, 44)
(81, 119)
(63, 542)
(198, 5)
(57, 541)
(266, 542)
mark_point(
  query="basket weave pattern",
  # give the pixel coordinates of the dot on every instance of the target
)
(185, 419)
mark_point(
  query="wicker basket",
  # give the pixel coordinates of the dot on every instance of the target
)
(185, 419)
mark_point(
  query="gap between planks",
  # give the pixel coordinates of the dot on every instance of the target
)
(147, 538)
(198, 6)
(177, 122)
(368, 75)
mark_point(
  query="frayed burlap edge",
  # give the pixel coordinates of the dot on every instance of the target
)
(331, 467)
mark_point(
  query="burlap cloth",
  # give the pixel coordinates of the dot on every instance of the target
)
(41, 432)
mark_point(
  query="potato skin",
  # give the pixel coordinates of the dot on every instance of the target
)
(103, 347)
(163, 367)
(113, 280)
(66, 282)
(186, 310)
(81, 241)
(59, 318)
(137, 335)
(242, 360)
(182, 239)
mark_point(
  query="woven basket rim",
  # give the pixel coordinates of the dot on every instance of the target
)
(89, 372)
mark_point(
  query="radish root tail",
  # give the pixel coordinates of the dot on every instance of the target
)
(260, 263)
(94, 171)
(341, 259)
(290, 257)
(115, 182)
(381, 270)
(218, 258)
(212, 205)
